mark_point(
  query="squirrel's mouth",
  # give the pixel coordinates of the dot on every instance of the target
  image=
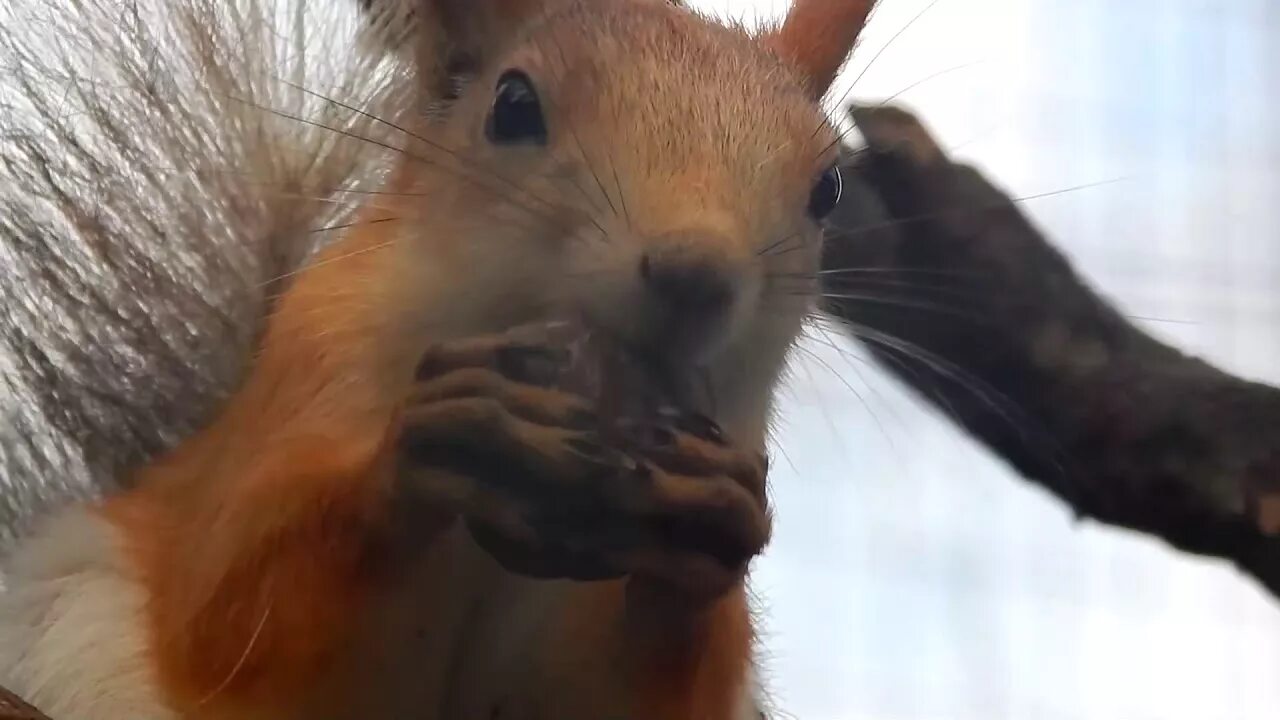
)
(627, 382)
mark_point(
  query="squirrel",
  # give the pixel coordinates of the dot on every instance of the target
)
(499, 450)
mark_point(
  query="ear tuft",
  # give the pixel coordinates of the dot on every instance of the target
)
(818, 36)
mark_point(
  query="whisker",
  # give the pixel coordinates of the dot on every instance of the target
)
(1074, 188)
(849, 233)
(412, 156)
(917, 379)
(1173, 321)
(420, 138)
(977, 137)
(328, 261)
(943, 292)
(771, 246)
(951, 290)
(586, 197)
(458, 156)
(899, 303)
(564, 62)
(889, 43)
(849, 386)
(235, 670)
(801, 350)
(784, 251)
(324, 200)
(816, 321)
(591, 169)
(929, 78)
(622, 197)
(840, 136)
(995, 400)
(345, 226)
(899, 269)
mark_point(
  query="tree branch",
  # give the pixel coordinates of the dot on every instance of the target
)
(13, 707)
(961, 297)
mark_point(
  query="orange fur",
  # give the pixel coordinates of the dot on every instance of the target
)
(257, 539)
(694, 664)
(817, 35)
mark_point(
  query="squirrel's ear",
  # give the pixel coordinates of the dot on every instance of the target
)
(817, 37)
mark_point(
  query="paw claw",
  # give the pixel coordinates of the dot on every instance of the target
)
(647, 436)
(693, 423)
(702, 427)
(602, 455)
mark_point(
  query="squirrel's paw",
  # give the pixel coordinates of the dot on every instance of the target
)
(549, 492)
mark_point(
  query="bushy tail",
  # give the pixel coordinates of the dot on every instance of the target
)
(165, 165)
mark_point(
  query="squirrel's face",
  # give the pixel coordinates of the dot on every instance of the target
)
(636, 166)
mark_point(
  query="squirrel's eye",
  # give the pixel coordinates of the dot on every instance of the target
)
(516, 116)
(825, 193)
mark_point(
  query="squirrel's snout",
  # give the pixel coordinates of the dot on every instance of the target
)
(675, 296)
(687, 286)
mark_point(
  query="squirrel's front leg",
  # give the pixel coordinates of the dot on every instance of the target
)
(258, 556)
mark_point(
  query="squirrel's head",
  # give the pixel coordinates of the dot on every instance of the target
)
(655, 173)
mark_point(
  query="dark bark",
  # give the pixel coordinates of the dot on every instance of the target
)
(959, 295)
(13, 707)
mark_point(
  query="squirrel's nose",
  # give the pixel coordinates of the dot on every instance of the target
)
(686, 285)
(689, 287)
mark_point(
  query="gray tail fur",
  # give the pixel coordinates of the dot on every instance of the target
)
(165, 167)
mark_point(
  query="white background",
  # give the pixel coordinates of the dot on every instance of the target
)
(913, 576)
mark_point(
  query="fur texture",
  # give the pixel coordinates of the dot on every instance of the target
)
(71, 602)
(156, 192)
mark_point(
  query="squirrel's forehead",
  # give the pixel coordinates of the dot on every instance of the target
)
(613, 39)
(658, 64)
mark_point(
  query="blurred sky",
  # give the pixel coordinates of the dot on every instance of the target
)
(912, 576)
